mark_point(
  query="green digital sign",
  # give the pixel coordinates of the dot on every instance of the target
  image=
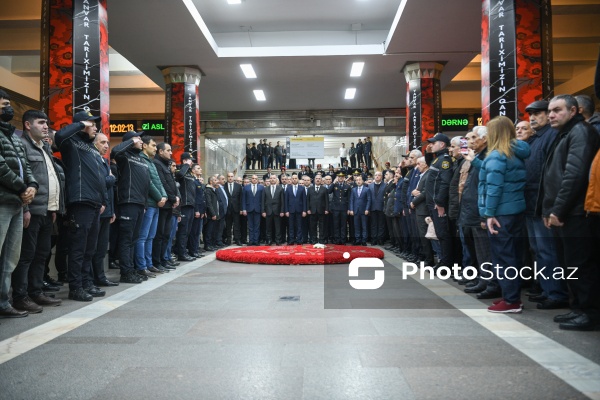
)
(455, 122)
(154, 127)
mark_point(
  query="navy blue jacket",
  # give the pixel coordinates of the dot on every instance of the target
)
(362, 203)
(295, 204)
(200, 204)
(539, 144)
(250, 202)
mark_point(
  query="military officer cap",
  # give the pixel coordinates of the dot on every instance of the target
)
(357, 173)
(540, 105)
(341, 173)
(440, 137)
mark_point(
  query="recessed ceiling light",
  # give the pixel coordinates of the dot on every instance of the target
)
(248, 71)
(234, 1)
(357, 69)
(260, 95)
(350, 92)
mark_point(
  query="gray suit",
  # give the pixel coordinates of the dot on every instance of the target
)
(272, 206)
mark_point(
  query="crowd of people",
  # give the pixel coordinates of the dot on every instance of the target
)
(504, 196)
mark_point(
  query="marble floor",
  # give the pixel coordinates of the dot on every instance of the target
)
(214, 330)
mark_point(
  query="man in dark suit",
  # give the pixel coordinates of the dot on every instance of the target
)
(252, 196)
(223, 206)
(306, 233)
(317, 204)
(272, 210)
(295, 209)
(367, 151)
(212, 214)
(360, 204)
(419, 205)
(285, 182)
(234, 209)
(377, 189)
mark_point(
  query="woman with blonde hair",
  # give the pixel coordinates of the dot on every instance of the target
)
(502, 202)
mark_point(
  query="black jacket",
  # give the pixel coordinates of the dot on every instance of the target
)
(37, 163)
(134, 174)
(12, 154)
(200, 205)
(317, 202)
(187, 185)
(235, 198)
(167, 179)
(111, 182)
(419, 201)
(212, 202)
(84, 169)
(438, 183)
(566, 172)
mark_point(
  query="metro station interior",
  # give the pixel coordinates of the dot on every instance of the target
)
(213, 330)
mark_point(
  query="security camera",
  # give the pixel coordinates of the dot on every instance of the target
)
(312, 118)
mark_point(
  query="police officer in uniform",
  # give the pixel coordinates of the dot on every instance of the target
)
(338, 205)
(438, 193)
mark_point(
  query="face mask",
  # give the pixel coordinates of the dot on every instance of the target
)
(7, 114)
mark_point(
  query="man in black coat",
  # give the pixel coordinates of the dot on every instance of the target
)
(163, 161)
(317, 204)
(38, 216)
(187, 189)
(86, 198)
(562, 195)
(234, 210)
(212, 215)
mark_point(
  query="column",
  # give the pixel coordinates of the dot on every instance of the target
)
(423, 102)
(74, 60)
(182, 117)
(516, 56)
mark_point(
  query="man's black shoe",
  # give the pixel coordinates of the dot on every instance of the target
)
(63, 278)
(49, 288)
(480, 287)
(146, 273)
(43, 300)
(533, 292)
(580, 323)
(95, 291)
(131, 277)
(489, 294)
(168, 267)
(538, 299)
(550, 304)
(106, 283)
(185, 257)
(52, 281)
(566, 317)
(474, 282)
(162, 269)
(26, 304)
(171, 263)
(80, 295)
(238, 243)
(11, 312)
(113, 265)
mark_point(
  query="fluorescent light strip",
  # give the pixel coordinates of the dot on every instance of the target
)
(357, 69)
(248, 71)
(234, 1)
(350, 92)
(260, 95)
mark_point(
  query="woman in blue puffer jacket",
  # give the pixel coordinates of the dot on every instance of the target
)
(502, 202)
